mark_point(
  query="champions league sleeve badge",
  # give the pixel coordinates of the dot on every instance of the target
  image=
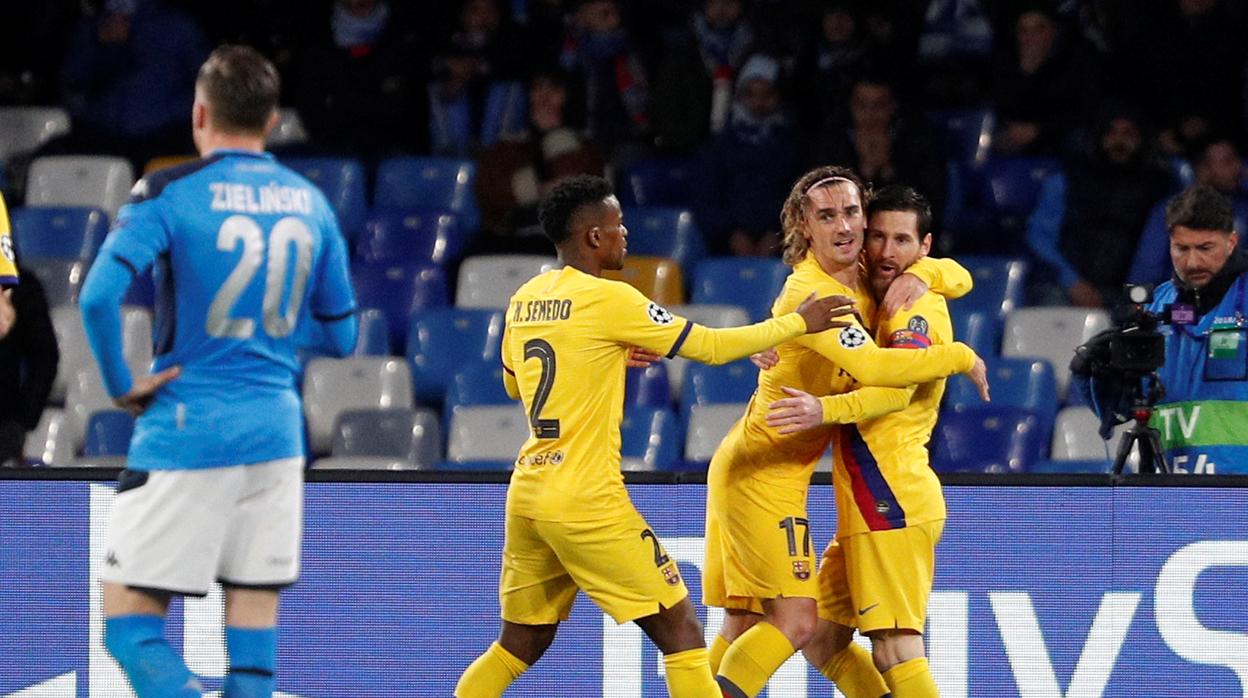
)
(852, 337)
(659, 315)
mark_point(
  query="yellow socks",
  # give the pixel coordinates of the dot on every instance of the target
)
(689, 675)
(716, 652)
(912, 679)
(752, 659)
(854, 673)
(490, 674)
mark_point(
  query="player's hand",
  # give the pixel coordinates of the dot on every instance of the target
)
(144, 389)
(8, 314)
(798, 412)
(820, 313)
(765, 359)
(641, 358)
(902, 294)
(979, 376)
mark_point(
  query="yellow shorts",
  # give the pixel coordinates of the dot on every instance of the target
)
(619, 563)
(757, 543)
(881, 579)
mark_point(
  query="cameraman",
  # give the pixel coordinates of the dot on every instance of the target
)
(1202, 416)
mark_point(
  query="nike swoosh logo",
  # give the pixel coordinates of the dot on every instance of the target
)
(863, 611)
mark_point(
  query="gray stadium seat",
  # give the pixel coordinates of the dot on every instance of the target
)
(80, 180)
(708, 425)
(51, 442)
(707, 315)
(1075, 437)
(1052, 333)
(331, 386)
(24, 129)
(136, 327)
(289, 129)
(362, 463)
(62, 278)
(85, 395)
(412, 435)
(488, 281)
(487, 433)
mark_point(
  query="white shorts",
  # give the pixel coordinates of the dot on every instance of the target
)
(179, 531)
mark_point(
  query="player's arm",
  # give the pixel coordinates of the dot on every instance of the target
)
(944, 277)
(853, 350)
(333, 299)
(801, 410)
(8, 260)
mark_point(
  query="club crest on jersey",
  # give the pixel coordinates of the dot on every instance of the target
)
(852, 337)
(6, 247)
(659, 315)
(670, 575)
(801, 569)
(917, 324)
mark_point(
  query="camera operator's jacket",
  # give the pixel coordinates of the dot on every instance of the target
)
(1203, 418)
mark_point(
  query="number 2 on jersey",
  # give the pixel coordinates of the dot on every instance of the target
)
(237, 229)
(541, 350)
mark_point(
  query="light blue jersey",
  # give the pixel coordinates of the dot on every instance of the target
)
(246, 252)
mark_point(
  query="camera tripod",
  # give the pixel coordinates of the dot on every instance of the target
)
(1140, 434)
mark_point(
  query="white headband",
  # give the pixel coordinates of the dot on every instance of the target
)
(828, 180)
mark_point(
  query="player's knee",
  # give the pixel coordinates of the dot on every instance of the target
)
(527, 642)
(795, 618)
(892, 647)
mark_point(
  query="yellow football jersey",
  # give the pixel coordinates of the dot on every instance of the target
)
(881, 474)
(8, 260)
(836, 361)
(564, 349)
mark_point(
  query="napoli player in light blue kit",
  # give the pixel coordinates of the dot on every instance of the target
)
(247, 254)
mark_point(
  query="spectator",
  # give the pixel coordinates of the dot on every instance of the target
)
(28, 362)
(360, 87)
(694, 83)
(513, 174)
(614, 91)
(1206, 370)
(1087, 221)
(832, 64)
(745, 172)
(129, 80)
(1216, 163)
(955, 47)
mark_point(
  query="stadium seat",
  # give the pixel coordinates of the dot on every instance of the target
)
(1011, 186)
(84, 396)
(1013, 382)
(412, 435)
(429, 183)
(439, 341)
(506, 111)
(1076, 436)
(342, 181)
(707, 315)
(288, 131)
(62, 278)
(664, 231)
(51, 442)
(487, 433)
(332, 386)
(80, 180)
(709, 385)
(706, 427)
(398, 290)
(489, 281)
(650, 439)
(363, 463)
(999, 286)
(987, 439)
(374, 334)
(1052, 333)
(648, 387)
(475, 383)
(658, 278)
(965, 134)
(162, 162)
(67, 232)
(24, 129)
(71, 339)
(410, 237)
(980, 329)
(108, 433)
(750, 282)
(657, 181)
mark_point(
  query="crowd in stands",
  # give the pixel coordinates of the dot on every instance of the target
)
(1048, 134)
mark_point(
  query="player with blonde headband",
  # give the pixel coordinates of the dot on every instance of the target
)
(759, 564)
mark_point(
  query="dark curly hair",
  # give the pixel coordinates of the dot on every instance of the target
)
(898, 197)
(569, 196)
(1200, 207)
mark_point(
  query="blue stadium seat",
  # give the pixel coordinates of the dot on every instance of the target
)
(750, 282)
(664, 231)
(656, 182)
(410, 237)
(429, 183)
(374, 334)
(987, 439)
(1013, 382)
(965, 134)
(475, 383)
(342, 181)
(995, 201)
(708, 385)
(413, 435)
(647, 387)
(69, 232)
(506, 111)
(1066, 467)
(1011, 185)
(108, 433)
(979, 329)
(439, 341)
(650, 439)
(999, 286)
(399, 290)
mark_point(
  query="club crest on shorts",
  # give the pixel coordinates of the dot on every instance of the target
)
(918, 324)
(852, 337)
(659, 315)
(801, 569)
(671, 575)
